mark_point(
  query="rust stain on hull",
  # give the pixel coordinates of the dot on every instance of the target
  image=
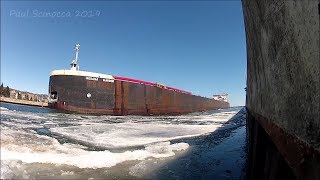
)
(300, 156)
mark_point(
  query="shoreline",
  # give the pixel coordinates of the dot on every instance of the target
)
(23, 102)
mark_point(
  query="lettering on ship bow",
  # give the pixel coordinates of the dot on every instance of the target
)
(92, 78)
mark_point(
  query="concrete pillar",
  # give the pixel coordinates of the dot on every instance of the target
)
(283, 88)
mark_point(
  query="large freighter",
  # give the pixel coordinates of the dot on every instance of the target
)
(94, 93)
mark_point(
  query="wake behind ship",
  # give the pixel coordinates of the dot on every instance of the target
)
(94, 93)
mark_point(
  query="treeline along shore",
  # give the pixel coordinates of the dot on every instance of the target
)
(10, 95)
(23, 102)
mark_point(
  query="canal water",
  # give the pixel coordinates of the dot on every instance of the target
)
(40, 143)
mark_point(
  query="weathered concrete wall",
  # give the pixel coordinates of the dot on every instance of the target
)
(283, 91)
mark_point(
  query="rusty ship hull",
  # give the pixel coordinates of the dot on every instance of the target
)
(101, 94)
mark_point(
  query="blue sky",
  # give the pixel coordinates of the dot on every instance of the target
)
(191, 45)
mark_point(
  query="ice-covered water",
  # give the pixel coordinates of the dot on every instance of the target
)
(41, 143)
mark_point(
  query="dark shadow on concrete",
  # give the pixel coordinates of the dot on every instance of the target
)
(265, 161)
